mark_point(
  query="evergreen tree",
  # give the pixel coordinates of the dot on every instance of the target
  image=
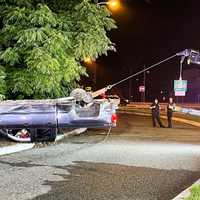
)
(42, 44)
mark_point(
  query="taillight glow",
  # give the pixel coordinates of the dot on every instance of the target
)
(114, 118)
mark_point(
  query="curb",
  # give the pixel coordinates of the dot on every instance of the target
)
(15, 148)
(186, 193)
(186, 121)
(26, 146)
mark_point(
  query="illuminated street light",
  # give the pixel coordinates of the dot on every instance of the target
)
(92, 65)
(88, 60)
(112, 4)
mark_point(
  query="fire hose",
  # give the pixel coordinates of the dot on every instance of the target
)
(191, 55)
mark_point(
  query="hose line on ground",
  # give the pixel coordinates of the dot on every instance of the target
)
(108, 134)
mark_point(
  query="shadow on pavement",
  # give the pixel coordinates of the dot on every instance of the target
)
(99, 181)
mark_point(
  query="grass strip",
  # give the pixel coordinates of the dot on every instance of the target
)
(195, 193)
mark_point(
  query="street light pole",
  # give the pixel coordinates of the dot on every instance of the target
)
(102, 3)
(144, 82)
(130, 85)
(112, 4)
(95, 76)
(198, 98)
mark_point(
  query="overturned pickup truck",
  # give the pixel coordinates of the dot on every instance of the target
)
(41, 119)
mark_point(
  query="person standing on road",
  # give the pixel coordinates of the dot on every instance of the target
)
(170, 109)
(155, 110)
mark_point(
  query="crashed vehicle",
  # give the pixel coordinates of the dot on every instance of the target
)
(40, 120)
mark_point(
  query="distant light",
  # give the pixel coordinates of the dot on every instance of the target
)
(88, 60)
(114, 4)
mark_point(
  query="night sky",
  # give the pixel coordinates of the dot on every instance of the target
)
(149, 31)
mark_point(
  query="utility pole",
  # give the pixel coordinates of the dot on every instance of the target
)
(130, 85)
(144, 83)
(95, 76)
(198, 98)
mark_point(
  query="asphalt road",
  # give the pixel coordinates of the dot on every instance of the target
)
(135, 162)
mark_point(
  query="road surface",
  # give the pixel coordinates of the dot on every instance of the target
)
(135, 162)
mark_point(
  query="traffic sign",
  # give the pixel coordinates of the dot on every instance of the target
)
(179, 94)
(142, 88)
(180, 85)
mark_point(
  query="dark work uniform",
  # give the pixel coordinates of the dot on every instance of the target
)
(170, 108)
(156, 114)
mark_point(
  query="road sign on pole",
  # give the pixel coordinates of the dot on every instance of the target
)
(142, 88)
(179, 94)
(180, 87)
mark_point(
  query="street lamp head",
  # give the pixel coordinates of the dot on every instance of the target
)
(113, 4)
